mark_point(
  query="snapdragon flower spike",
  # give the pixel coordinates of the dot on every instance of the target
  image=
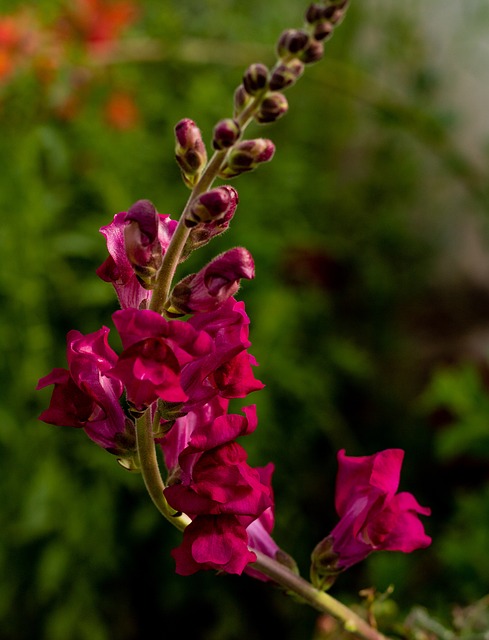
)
(155, 350)
(117, 268)
(85, 397)
(190, 151)
(212, 206)
(246, 156)
(213, 285)
(372, 515)
(143, 248)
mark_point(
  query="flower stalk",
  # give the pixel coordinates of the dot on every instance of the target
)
(151, 472)
(317, 599)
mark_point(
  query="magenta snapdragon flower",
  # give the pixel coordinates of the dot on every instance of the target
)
(228, 369)
(212, 482)
(155, 350)
(84, 396)
(118, 268)
(373, 516)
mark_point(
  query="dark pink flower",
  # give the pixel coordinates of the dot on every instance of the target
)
(155, 351)
(214, 474)
(227, 369)
(85, 397)
(213, 484)
(142, 245)
(208, 289)
(117, 268)
(213, 542)
(178, 437)
(372, 515)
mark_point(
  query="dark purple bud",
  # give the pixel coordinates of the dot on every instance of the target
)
(143, 248)
(212, 206)
(201, 234)
(273, 107)
(335, 12)
(190, 151)
(285, 74)
(314, 13)
(246, 156)
(292, 42)
(323, 30)
(313, 52)
(241, 99)
(208, 289)
(226, 133)
(255, 78)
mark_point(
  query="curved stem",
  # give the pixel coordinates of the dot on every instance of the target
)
(151, 473)
(319, 600)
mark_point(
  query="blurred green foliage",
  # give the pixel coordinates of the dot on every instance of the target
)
(353, 321)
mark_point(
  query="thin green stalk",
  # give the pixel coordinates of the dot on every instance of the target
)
(151, 472)
(319, 600)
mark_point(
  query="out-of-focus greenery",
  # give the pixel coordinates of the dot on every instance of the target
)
(368, 332)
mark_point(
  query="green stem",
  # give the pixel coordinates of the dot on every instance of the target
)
(151, 473)
(319, 600)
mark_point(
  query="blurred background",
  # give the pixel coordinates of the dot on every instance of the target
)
(369, 311)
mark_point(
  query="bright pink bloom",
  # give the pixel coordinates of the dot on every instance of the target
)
(213, 478)
(154, 352)
(213, 542)
(227, 370)
(85, 397)
(178, 437)
(214, 475)
(118, 270)
(372, 515)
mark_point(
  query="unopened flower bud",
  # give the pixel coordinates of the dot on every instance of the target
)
(246, 156)
(212, 206)
(201, 234)
(292, 42)
(143, 248)
(323, 30)
(314, 13)
(313, 52)
(226, 133)
(255, 78)
(241, 99)
(285, 74)
(273, 107)
(190, 151)
(324, 565)
(335, 12)
(208, 289)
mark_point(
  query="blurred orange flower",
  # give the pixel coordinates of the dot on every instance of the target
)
(121, 111)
